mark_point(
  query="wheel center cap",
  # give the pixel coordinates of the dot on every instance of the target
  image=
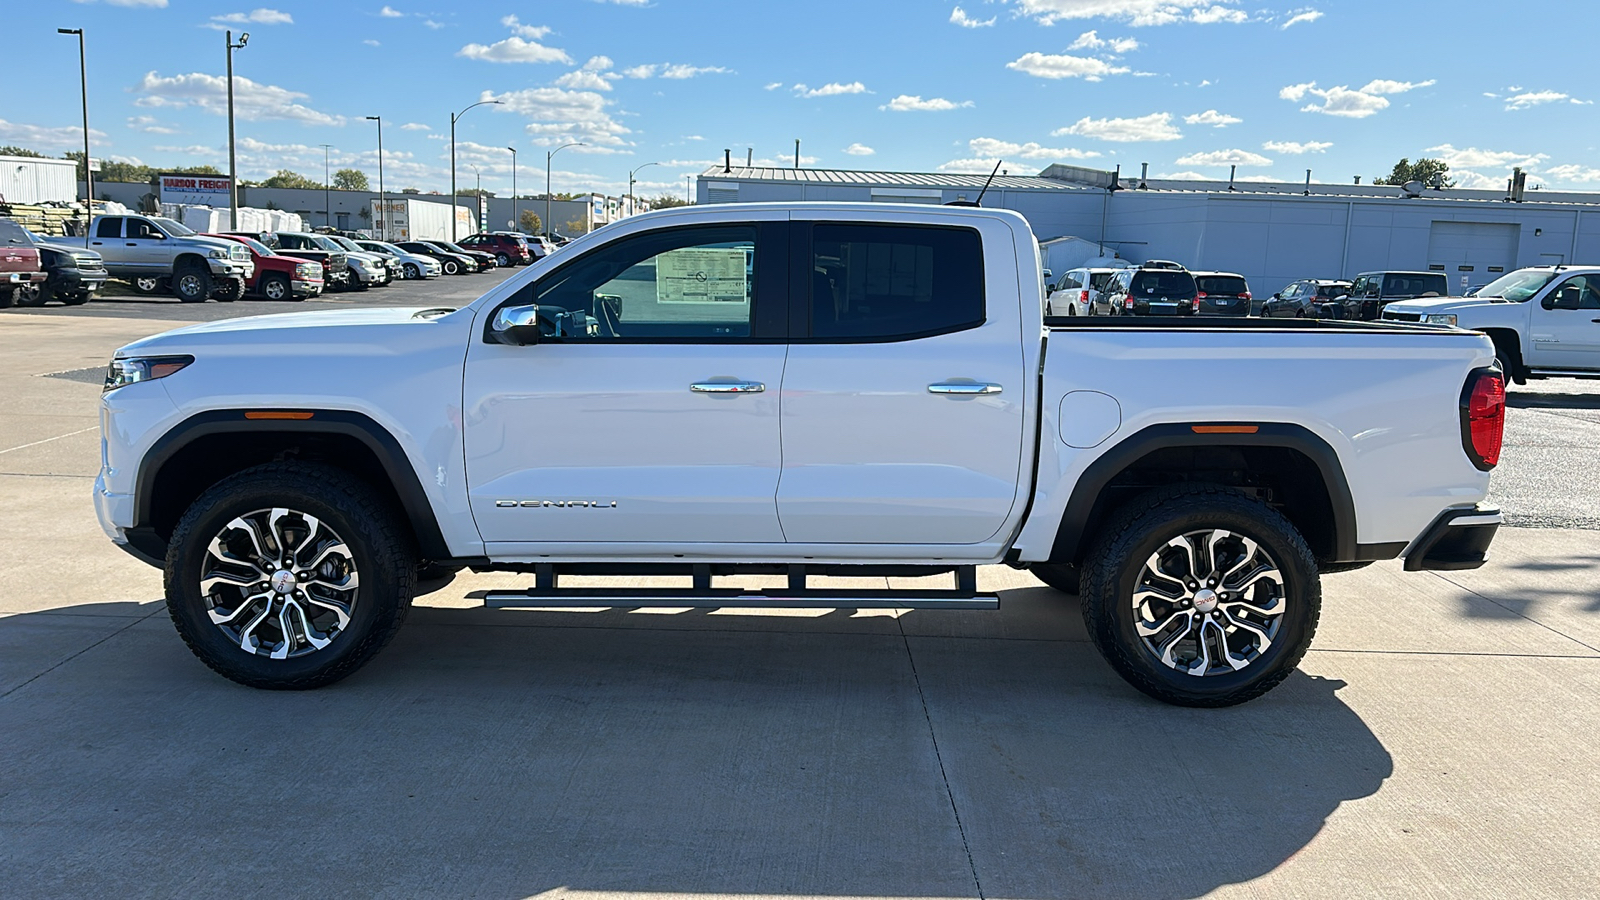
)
(1205, 600)
(283, 581)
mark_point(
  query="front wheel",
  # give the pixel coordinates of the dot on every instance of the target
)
(276, 287)
(1201, 596)
(502, 260)
(146, 284)
(192, 285)
(413, 272)
(451, 267)
(288, 576)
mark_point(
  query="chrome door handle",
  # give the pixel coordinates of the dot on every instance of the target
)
(964, 387)
(727, 387)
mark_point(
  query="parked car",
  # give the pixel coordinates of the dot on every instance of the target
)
(1152, 290)
(1221, 294)
(540, 245)
(1544, 321)
(508, 248)
(412, 265)
(364, 270)
(484, 261)
(1201, 517)
(155, 254)
(335, 265)
(450, 263)
(1372, 291)
(1082, 292)
(72, 273)
(279, 277)
(392, 269)
(1300, 298)
(19, 262)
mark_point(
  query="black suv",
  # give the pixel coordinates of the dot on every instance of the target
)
(1147, 291)
(1372, 291)
(1221, 294)
(1300, 298)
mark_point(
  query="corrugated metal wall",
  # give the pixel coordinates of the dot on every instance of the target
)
(24, 179)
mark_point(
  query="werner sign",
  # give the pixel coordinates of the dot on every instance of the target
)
(195, 190)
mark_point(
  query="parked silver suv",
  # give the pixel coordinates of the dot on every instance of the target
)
(1082, 292)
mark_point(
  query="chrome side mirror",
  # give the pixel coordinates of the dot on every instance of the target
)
(516, 326)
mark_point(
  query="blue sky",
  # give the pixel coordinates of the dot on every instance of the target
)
(1189, 86)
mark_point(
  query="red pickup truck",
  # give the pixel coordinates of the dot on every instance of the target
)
(279, 277)
(19, 262)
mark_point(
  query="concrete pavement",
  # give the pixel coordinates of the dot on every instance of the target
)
(1437, 741)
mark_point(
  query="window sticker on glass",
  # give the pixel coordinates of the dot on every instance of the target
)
(703, 275)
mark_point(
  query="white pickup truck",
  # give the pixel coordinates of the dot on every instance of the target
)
(1544, 321)
(793, 391)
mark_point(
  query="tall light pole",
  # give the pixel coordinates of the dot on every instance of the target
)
(548, 155)
(630, 184)
(453, 118)
(516, 221)
(233, 168)
(327, 192)
(383, 199)
(88, 174)
(477, 199)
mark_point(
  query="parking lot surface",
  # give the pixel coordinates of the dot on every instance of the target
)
(1437, 742)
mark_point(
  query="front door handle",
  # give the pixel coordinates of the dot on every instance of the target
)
(727, 387)
(964, 387)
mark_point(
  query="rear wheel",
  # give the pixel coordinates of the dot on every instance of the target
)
(31, 295)
(502, 260)
(147, 284)
(192, 284)
(1200, 596)
(227, 290)
(413, 271)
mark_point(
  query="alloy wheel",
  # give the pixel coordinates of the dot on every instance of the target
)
(274, 289)
(1209, 602)
(279, 583)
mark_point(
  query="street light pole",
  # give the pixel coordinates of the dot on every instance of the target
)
(383, 198)
(233, 168)
(516, 221)
(453, 118)
(630, 184)
(548, 155)
(88, 174)
(327, 188)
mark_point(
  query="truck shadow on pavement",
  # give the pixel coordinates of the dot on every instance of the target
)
(1550, 400)
(498, 754)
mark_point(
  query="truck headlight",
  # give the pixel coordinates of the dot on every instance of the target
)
(124, 372)
(217, 253)
(1441, 319)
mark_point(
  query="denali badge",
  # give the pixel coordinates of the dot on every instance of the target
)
(560, 504)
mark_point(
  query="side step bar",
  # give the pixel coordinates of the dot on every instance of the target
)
(546, 594)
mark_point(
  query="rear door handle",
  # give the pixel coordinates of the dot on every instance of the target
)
(727, 387)
(964, 387)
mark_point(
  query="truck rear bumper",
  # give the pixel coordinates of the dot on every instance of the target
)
(25, 277)
(1458, 539)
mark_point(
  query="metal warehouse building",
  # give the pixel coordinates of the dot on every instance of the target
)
(1271, 233)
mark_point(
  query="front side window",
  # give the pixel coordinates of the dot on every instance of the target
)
(1579, 292)
(139, 229)
(890, 282)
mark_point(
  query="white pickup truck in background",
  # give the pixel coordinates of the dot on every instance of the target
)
(795, 391)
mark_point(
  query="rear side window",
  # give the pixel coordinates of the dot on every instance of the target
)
(1071, 282)
(110, 227)
(1414, 285)
(886, 282)
(1099, 280)
(1222, 284)
(1162, 283)
(12, 233)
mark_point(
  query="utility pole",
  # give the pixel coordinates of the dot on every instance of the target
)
(630, 185)
(88, 173)
(516, 220)
(548, 155)
(453, 118)
(797, 153)
(233, 166)
(327, 187)
(383, 198)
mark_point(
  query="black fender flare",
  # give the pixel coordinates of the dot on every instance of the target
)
(1070, 535)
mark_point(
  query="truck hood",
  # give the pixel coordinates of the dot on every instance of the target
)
(301, 327)
(1439, 305)
(75, 251)
(224, 243)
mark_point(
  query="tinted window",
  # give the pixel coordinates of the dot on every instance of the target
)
(1071, 281)
(1332, 290)
(140, 229)
(1162, 283)
(1414, 285)
(1582, 292)
(12, 233)
(1099, 280)
(109, 227)
(891, 281)
(1222, 284)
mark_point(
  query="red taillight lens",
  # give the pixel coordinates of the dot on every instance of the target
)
(1197, 302)
(1128, 303)
(1083, 296)
(1483, 417)
(1200, 295)
(1245, 295)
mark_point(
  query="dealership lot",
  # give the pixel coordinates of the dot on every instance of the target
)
(1436, 742)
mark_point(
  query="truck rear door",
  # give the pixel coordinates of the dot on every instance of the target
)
(904, 393)
(107, 241)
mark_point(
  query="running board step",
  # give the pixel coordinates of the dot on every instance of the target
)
(734, 597)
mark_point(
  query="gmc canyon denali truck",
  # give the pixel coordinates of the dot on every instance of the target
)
(151, 253)
(794, 391)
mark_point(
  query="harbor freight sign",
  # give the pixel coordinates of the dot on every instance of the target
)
(195, 190)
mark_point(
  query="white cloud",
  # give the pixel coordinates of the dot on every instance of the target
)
(773, 86)
(1154, 127)
(672, 70)
(862, 149)
(252, 100)
(389, 12)
(530, 32)
(1047, 65)
(1224, 158)
(1183, 176)
(432, 24)
(1213, 118)
(558, 116)
(1342, 101)
(414, 126)
(1309, 15)
(982, 166)
(582, 80)
(1091, 40)
(1573, 173)
(1385, 86)
(1296, 92)
(1134, 12)
(149, 125)
(831, 89)
(997, 149)
(43, 138)
(1539, 98)
(913, 103)
(1474, 158)
(371, 43)
(1296, 147)
(259, 16)
(516, 49)
(958, 16)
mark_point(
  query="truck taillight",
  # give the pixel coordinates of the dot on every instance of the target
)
(1483, 417)
(1128, 303)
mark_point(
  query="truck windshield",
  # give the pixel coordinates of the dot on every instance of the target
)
(346, 243)
(1518, 286)
(325, 243)
(176, 229)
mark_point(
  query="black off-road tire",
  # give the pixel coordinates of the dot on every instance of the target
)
(227, 290)
(31, 295)
(193, 283)
(381, 548)
(1063, 577)
(1145, 524)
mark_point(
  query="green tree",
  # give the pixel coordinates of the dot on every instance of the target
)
(9, 150)
(1423, 170)
(666, 201)
(351, 180)
(287, 179)
(473, 192)
(577, 226)
(531, 221)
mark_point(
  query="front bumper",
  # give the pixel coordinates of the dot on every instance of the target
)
(71, 281)
(1458, 539)
(232, 268)
(368, 276)
(303, 288)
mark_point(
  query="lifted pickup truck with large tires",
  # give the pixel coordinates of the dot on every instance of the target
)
(156, 254)
(793, 391)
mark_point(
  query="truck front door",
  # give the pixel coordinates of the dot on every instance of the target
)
(648, 411)
(146, 247)
(904, 393)
(1564, 327)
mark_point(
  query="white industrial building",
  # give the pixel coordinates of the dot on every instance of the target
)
(1271, 233)
(32, 180)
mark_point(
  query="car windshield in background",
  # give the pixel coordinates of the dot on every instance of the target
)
(1518, 286)
(174, 228)
(325, 243)
(1162, 284)
(1220, 284)
(1333, 290)
(346, 243)
(453, 248)
(260, 248)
